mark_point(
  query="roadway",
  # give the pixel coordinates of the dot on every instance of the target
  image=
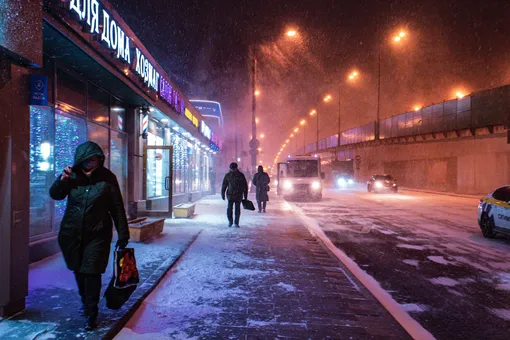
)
(427, 251)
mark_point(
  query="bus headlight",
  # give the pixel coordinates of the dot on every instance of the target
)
(350, 181)
(316, 185)
(341, 182)
(287, 185)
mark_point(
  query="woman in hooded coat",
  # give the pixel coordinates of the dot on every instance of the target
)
(261, 180)
(93, 200)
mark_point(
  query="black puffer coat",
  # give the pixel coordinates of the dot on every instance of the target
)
(236, 186)
(261, 181)
(86, 229)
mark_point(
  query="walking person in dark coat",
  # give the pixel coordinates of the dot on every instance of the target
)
(93, 200)
(261, 181)
(236, 188)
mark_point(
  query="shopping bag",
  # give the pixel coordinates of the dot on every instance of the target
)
(248, 205)
(117, 297)
(124, 280)
(125, 271)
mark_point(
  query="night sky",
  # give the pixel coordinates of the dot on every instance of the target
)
(450, 46)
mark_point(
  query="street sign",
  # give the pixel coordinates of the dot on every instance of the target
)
(254, 143)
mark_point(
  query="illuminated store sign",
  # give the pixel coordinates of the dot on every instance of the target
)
(145, 69)
(99, 22)
(205, 130)
(191, 117)
(171, 96)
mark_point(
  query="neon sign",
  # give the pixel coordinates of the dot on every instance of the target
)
(191, 117)
(205, 130)
(171, 96)
(114, 38)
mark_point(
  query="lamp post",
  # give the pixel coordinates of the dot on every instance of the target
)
(254, 142)
(397, 39)
(314, 113)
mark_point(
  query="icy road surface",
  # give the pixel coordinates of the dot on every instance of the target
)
(427, 251)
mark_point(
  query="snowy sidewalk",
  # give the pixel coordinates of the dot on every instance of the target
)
(53, 301)
(268, 279)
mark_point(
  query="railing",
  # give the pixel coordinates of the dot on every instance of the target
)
(481, 109)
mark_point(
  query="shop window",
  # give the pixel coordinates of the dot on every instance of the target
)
(100, 135)
(118, 115)
(70, 93)
(70, 131)
(180, 160)
(41, 169)
(118, 156)
(98, 104)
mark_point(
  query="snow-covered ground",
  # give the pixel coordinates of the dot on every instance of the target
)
(268, 279)
(427, 251)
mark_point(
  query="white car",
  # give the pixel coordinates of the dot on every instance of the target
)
(494, 212)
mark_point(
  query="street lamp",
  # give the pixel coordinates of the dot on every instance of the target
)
(254, 143)
(397, 39)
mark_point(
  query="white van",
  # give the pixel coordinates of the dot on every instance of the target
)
(300, 176)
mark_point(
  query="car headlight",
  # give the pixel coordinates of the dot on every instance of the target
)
(341, 181)
(316, 185)
(287, 185)
(378, 185)
(350, 181)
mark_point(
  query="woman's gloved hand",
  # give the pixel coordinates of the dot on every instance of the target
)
(121, 243)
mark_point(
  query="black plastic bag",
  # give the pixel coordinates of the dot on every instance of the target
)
(117, 297)
(125, 278)
(248, 205)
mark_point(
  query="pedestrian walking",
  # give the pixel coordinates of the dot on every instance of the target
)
(235, 187)
(261, 181)
(93, 200)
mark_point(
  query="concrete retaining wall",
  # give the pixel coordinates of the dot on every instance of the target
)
(474, 165)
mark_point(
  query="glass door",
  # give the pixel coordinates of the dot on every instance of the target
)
(157, 174)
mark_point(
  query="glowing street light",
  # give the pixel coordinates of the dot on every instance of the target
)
(353, 75)
(257, 92)
(399, 36)
(260, 149)
(257, 120)
(302, 122)
(460, 95)
(327, 98)
(291, 33)
(313, 112)
(296, 129)
(262, 135)
(416, 108)
(291, 135)
(288, 140)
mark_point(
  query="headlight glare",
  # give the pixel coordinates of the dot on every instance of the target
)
(378, 185)
(287, 185)
(316, 185)
(350, 181)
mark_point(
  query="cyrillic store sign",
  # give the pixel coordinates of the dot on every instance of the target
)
(169, 95)
(99, 22)
(38, 89)
(191, 117)
(205, 130)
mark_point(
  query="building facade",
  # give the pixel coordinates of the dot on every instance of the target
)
(83, 75)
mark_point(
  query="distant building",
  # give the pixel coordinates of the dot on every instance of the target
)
(211, 111)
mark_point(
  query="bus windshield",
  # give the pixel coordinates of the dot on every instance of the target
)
(303, 168)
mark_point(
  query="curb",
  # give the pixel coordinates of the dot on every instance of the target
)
(443, 193)
(152, 282)
(411, 326)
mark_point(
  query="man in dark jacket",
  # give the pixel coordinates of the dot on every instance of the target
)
(93, 200)
(236, 188)
(261, 181)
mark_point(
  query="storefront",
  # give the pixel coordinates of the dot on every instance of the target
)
(93, 80)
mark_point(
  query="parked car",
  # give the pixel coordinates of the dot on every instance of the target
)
(382, 183)
(494, 212)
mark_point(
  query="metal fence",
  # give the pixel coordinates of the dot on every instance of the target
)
(358, 134)
(481, 109)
